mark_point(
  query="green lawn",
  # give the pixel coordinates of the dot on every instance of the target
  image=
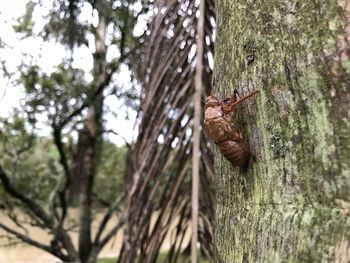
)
(106, 260)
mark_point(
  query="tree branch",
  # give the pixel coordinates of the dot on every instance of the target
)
(105, 220)
(40, 213)
(16, 193)
(28, 240)
(64, 162)
(112, 232)
(115, 133)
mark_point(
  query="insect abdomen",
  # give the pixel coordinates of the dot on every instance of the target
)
(237, 152)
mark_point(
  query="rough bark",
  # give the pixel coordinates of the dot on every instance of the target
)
(292, 202)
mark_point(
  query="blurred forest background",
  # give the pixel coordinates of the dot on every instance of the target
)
(66, 187)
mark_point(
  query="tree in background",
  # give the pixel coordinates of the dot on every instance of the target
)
(292, 202)
(158, 169)
(74, 107)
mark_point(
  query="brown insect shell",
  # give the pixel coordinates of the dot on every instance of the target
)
(214, 121)
(229, 138)
(237, 152)
(229, 107)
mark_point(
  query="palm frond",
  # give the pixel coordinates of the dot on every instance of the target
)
(159, 196)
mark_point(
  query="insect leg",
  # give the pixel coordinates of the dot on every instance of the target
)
(244, 98)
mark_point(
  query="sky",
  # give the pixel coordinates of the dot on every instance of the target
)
(47, 55)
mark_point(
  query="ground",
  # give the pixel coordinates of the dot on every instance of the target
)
(23, 253)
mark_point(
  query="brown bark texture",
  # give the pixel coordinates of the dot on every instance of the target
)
(291, 204)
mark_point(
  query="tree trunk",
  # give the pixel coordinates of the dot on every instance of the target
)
(292, 202)
(88, 147)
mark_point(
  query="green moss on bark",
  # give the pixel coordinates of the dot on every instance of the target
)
(291, 204)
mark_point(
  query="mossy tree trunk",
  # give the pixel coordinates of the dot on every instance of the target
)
(292, 203)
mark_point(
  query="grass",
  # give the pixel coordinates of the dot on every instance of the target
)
(106, 260)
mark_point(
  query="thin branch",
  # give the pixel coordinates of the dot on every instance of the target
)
(121, 136)
(112, 232)
(52, 198)
(100, 200)
(106, 218)
(60, 147)
(59, 189)
(38, 211)
(15, 220)
(111, 69)
(31, 204)
(27, 239)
